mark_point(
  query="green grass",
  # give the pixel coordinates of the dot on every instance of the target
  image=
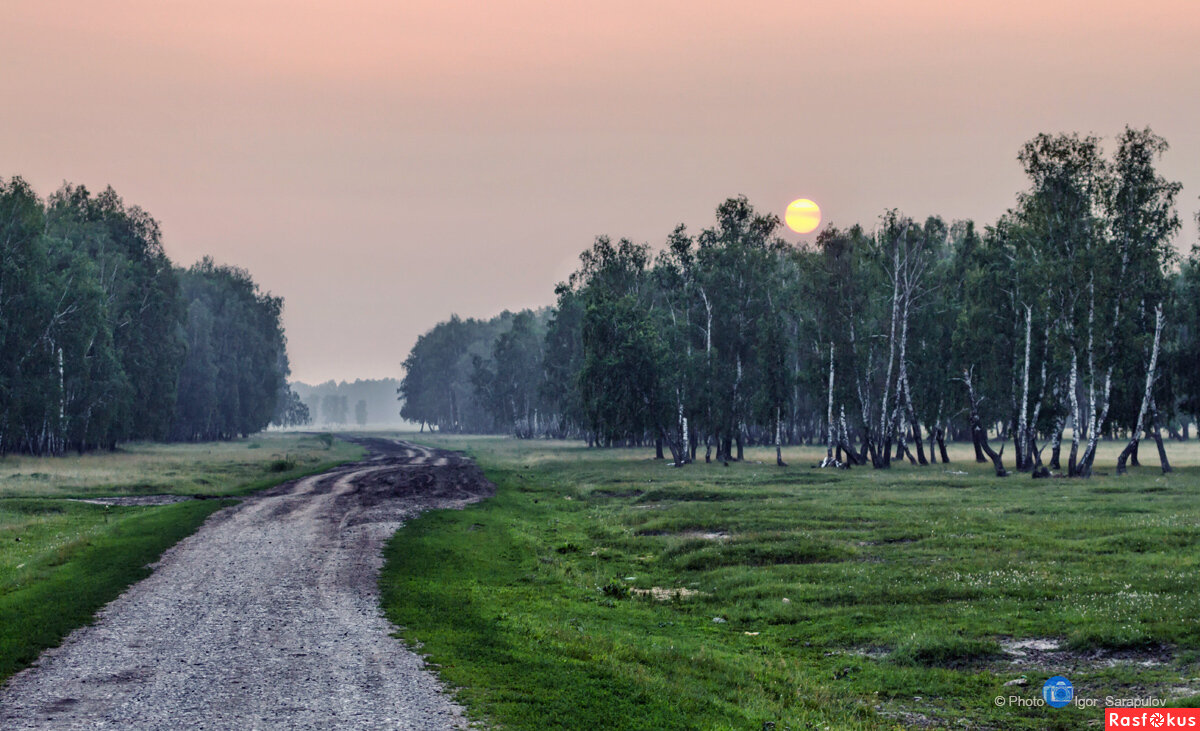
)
(210, 468)
(584, 594)
(61, 560)
(75, 559)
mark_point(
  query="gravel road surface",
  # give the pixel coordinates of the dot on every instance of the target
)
(267, 617)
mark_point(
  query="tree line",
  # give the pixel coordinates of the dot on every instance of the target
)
(103, 340)
(360, 402)
(1070, 319)
(479, 376)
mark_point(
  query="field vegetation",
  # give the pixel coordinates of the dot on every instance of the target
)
(603, 589)
(146, 468)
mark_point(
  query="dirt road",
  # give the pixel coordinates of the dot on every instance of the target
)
(267, 617)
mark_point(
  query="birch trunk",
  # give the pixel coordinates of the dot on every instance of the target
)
(884, 422)
(906, 392)
(830, 461)
(779, 437)
(1135, 436)
(1032, 449)
(1056, 443)
(1076, 416)
(1022, 441)
(683, 422)
(1097, 423)
(978, 430)
(1158, 440)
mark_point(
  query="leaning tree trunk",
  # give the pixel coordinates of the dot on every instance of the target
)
(867, 451)
(978, 432)
(1158, 440)
(1131, 449)
(677, 446)
(979, 456)
(1097, 410)
(904, 393)
(852, 457)
(1098, 418)
(941, 442)
(1056, 441)
(1147, 394)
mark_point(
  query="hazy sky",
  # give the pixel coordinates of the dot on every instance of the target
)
(383, 164)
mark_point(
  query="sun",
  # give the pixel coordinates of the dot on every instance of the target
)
(803, 216)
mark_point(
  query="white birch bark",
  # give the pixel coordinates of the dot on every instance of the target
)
(829, 460)
(887, 384)
(1076, 416)
(1023, 422)
(1148, 393)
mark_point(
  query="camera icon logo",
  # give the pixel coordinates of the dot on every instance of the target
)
(1058, 692)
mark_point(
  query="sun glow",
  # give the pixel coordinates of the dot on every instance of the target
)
(802, 216)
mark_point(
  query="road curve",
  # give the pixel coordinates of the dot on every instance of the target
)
(267, 617)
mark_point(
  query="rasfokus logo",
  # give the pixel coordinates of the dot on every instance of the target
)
(1164, 718)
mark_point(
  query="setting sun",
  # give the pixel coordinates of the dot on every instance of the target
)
(803, 215)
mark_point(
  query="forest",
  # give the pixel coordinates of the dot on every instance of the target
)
(1073, 318)
(103, 340)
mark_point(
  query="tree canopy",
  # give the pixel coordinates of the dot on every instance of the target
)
(103, 340)
(1068, 320)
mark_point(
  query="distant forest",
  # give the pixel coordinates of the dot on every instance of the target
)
(1070, 319)
(103, 340)
(358, 403)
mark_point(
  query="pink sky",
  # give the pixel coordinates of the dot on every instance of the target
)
(381, 165)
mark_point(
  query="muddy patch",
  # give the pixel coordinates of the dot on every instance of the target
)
(140, 499)
(1043, 654)
(1048, 653)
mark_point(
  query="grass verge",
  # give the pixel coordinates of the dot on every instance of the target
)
(236, 467)
(599, 589)
(98, 552)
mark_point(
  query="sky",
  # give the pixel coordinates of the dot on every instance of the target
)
(381, 165)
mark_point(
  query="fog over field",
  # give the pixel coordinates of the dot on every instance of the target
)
(378, 396)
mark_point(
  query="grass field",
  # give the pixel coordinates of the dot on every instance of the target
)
(601, 589)
(209, 468)
(61, 559)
